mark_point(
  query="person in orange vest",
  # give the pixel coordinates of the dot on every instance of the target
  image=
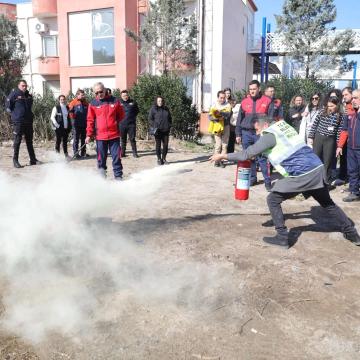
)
(78, 109)
(276, 110)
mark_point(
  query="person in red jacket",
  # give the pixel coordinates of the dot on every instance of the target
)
(253, 106)
(350, 135)
(104, 115)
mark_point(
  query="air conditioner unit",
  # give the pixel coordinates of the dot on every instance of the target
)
(41, 28)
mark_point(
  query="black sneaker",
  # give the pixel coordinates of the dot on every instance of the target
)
(35, 162)
(17, 164)
(253, 182)
(351, 197)
(353, 237)
(160, 162)
(268, 186)
(279, 240)
(165, 162)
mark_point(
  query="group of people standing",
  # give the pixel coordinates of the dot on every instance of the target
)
(107, 119)
(324, 124)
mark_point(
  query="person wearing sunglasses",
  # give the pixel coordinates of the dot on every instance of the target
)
(350, 138)
(311, 112)
(325, 132)
(104, 115)
(19, 105)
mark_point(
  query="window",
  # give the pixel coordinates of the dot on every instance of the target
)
(91, 37)
(50, 47)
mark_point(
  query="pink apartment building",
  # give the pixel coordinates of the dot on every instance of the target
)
(75, 43)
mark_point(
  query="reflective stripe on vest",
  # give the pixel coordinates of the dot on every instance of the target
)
(288, 141)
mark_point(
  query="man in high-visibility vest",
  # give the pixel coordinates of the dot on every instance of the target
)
(302, 171)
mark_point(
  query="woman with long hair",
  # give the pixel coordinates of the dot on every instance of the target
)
(160, 124)
(324, 133)
(296, 111)
(310, 114)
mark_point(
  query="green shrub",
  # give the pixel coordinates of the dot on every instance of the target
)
(287, 88)
(184, 115)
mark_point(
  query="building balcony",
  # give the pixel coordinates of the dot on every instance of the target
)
(44, 8)
(49, 66)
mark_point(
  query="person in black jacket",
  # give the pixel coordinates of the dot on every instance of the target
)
(61, 123)
(296, 112)
(19, 104)
(160, 124)
(128, 125)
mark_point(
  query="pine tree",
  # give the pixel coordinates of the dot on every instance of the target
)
(12, 55)
(167, 35)
(311, 39)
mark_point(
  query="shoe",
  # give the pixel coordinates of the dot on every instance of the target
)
(222, 164)
(35, 162)
(280, 240)
(253, 182)
(353, 237)
(165, 162)
(338, 182)
(160, 162)
(351, 197)
(135, 155)
(85, 155)
(268, 186)
(118, 178)
(78, 156)
(331, 187)
(67, 157)
(17, 164)
(216, 164)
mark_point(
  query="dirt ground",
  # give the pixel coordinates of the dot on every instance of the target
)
(268, 303)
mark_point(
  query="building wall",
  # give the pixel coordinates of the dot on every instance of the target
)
(8, 10)
(124, 70)
(26, 23)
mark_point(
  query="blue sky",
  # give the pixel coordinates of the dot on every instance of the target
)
(347, 16)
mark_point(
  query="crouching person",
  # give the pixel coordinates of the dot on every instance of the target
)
(302, 171)
(104, 115)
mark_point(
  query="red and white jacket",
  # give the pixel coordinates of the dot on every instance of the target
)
(103, 118)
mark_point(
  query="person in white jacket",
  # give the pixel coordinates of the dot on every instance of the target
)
(310, 113)
(61, 124)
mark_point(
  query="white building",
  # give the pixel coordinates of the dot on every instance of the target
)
(224, 29)
(41, 46)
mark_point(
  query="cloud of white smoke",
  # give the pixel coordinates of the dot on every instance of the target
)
(61, 253)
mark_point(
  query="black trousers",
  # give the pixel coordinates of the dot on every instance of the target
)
(232, 140)
(28, 132)
(322, 196)
(79, 133)
(62, 135)
(128, 131)
(162, 137)
(343, 174)
(325, 148)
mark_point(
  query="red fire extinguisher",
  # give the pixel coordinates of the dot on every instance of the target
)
(242, 184)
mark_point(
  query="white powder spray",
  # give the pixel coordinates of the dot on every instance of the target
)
(61, 254)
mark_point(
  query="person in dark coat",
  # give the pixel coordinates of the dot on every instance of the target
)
(78, 109)
(19, 105)
(128, 125)
(296, 112)
(160, 124)
(60, 119)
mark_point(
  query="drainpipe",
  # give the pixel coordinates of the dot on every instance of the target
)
(30, 60)
(201, 51)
